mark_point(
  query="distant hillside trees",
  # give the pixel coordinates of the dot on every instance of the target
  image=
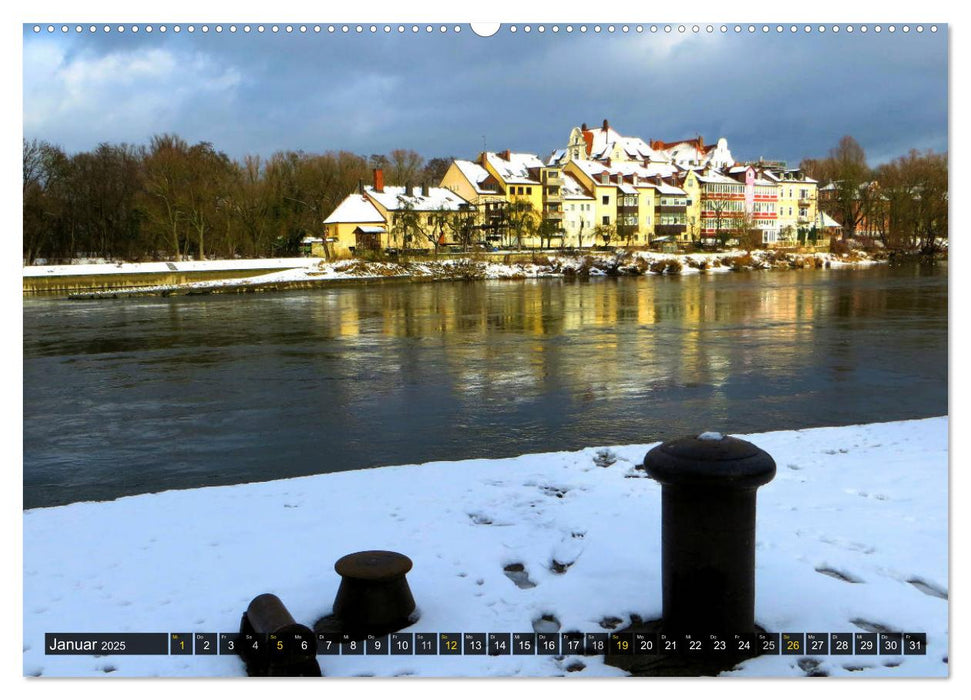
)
(171, 200)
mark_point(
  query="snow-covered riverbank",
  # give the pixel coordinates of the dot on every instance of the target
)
(852, 536)
(318, 272)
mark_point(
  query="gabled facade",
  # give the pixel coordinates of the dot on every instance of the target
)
(340, 227)
(578, 213)
(694, 152)
(595, 177)
(480, 188)
(379, 217)
(798, 204)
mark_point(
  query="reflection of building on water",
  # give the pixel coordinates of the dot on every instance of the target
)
(599, 339)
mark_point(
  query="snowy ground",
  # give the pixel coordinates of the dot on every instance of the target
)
(852, 535)
(300, 271)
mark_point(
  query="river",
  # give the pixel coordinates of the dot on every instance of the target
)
(140, 395)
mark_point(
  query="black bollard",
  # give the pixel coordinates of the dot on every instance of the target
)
(374, 597)
(708, 531)
(272, 643)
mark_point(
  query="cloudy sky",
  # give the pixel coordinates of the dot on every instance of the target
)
(784, 96)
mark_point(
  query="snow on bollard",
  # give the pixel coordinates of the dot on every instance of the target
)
(708, 530)
(374, 596)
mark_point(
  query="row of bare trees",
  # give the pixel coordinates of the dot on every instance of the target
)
(903, 203)
(173, 200)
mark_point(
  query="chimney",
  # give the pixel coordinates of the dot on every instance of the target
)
(657, 180)
(634, 179)
(378, 180)
(606, 125)
(424, 189)
(505, 154)
(583, 127)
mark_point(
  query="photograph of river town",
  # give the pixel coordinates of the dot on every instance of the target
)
(517, 350)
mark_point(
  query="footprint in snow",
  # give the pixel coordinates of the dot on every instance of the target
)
(517, 573)
(811, 667)
(928, 588)
(555, 491)
(604, 458)
(566, 553)
(547, 623)
(839, 575)
(868, 626)
(610, 622)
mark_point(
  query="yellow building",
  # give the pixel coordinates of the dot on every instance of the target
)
(477, 186)
(380, 217)
(798, 204)
(578, 214)
(525, 180)
(341, 227)
(517, 175)
(595, 177)
(688, 181)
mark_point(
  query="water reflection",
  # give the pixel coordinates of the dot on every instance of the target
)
(136, 395)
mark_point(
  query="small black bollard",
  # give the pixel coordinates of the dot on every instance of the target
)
(373, 598)
(708, 530)
(272, 643)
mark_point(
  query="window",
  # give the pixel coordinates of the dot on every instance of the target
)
(606, 221)
(529, 190)
(606, 199)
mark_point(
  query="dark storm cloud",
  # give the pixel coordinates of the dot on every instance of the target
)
(781, 96)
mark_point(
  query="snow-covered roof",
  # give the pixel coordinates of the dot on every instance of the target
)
(796, 175)
(600, 142)
(556, 156)
(715, 177)
(593, 169)
(626, 188)
(660, 168)
(516, 169)
(356, 208)
(824, 220)
(475, 174)
(395, 199)
(371, 229)
(572, 189)
(665, 188)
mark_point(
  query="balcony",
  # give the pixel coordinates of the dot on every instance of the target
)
(669, 229)
(805, 201)
(552, 180)
(553, 215)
